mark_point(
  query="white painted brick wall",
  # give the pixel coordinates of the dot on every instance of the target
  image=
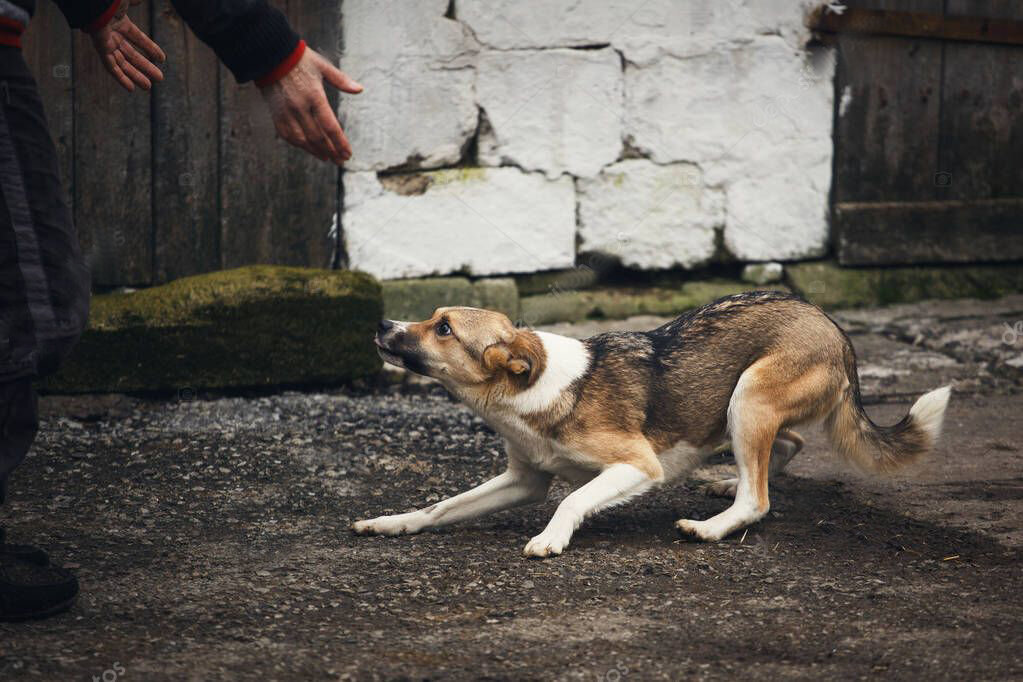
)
(557, 111)
(418, 67)
(732, 120)
(478, 221)
(649, 215)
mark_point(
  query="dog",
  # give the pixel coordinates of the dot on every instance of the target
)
(620, 413)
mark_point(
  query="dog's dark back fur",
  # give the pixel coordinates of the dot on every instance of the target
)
(665, 382)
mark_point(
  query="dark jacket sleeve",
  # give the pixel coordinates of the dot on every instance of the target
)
(85, 14)
(251, 37)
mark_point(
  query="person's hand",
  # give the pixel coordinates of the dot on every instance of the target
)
(128, 53)
(301, 112)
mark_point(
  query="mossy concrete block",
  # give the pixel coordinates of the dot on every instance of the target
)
(253, 326)
(416, 299)
(831, 286)
(498, 293)
(615, 303)
(582, 277)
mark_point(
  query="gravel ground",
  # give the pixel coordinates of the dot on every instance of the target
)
(211, 538)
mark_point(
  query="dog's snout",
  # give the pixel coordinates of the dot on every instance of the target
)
(385, 326)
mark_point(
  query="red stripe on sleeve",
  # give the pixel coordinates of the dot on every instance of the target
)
(103, 19)
(284, 67)
(12, 25)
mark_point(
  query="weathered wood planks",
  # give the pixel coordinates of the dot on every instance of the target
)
(276, 201)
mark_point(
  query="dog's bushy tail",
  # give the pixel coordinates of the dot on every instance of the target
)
(885, 449)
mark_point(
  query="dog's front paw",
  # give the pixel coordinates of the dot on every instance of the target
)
(546, 544)
(399, 524)
(723, 488)
(697, 530)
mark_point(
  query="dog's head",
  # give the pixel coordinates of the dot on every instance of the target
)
(463, 347)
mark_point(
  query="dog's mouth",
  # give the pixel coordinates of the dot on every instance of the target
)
(388, 355)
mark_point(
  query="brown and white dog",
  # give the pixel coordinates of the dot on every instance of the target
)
(619, 413)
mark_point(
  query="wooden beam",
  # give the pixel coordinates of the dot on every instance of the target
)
(113, 169)
(48, 53)
(186, 223)
(917, 25)
(904, 232)
(276, 201)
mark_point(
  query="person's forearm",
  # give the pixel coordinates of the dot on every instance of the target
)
(88, 15)
(252, 38)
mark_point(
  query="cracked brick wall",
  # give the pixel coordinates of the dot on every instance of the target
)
(509, 136)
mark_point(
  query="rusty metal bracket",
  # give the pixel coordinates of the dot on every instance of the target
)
(916, 25)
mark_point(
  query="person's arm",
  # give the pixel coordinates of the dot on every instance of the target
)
(255, 41)
(252, 38)
(88, 15)
(127, 53)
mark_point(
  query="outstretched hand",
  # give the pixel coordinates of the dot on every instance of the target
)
(128, 53)
(301, 112)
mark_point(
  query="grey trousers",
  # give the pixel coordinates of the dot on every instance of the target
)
(19, 422)
(44, 283)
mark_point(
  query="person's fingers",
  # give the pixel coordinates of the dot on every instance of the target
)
(291, 132)
(335, 76)
(332, 129)
(141, 63)
(111, 66)
(146, 44)
(134, 74)
(330, 143)
(315, 138)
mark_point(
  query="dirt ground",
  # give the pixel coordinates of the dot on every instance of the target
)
(210, 535)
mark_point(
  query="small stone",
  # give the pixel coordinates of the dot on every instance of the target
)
(762, 273)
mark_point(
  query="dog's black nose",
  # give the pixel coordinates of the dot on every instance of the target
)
(384, 326)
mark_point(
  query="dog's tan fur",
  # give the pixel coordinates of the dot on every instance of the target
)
(639, 408)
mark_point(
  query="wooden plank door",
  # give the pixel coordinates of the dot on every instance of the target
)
(113, 168)
(276, 201)
(47, 50)
(186, 216)
(926, 143)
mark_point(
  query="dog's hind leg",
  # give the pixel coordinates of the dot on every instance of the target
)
(777, 389)
(753, 424)
(787, 445)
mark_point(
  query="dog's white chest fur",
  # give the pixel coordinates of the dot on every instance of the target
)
(567, 360)
(544, 454)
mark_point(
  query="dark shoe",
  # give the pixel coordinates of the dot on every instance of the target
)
(28, 590)
(28, 553)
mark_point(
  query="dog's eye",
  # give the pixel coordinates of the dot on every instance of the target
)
(443, 329)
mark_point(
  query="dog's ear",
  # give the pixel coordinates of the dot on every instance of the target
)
(522, 356)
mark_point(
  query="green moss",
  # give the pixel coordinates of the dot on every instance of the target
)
(831, 286)
(460, 175)
(253, 326)
(416, 299)
(611, 303)
(582, 277)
